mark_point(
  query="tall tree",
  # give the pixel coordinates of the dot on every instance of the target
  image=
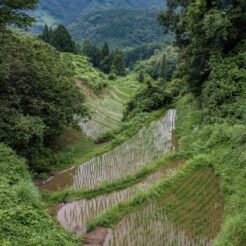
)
(62, 40)
(118, 66)
(163, 70)
(106, 59)
(38, 96)
(46, 36)
(13, 12)
(90, 50)
(105, 51)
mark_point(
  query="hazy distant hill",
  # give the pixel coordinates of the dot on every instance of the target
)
(67, 11)
(119, 27)
(123, 23)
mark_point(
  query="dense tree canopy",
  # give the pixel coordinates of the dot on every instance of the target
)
(204, 29)
(13, 12)
(37, 97)
(118, 66)
(59, 38)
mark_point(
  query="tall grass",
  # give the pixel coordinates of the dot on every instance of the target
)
(23, 218)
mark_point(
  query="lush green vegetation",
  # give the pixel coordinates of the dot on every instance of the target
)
(38, 96)
(67, 11)
(11, 12)
(85, 73)
(202, 75)
(121, 28)
(222, 145)
(161, 65)
(59, 38)
(23, 217)
(103, 59)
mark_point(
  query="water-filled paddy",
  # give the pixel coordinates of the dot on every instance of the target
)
(191, 215)
(74, 216)
(149, 144)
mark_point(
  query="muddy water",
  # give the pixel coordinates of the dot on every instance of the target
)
(74, 216)
(149, 144)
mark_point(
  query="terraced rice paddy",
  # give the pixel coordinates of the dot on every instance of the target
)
(74, 216)
(191, 215)
(149, 144)
(107, 107)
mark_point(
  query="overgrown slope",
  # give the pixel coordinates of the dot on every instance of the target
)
(106, 98)
(23, 218)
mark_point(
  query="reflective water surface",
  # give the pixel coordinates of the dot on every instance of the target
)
(150, 143)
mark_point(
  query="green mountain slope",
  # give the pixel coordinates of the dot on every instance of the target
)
(67, 10)
(119, 27)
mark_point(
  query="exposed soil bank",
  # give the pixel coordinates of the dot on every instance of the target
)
(98, 237)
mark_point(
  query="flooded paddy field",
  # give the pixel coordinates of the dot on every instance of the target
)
(189, 216)
(74, 216)
(149, 144)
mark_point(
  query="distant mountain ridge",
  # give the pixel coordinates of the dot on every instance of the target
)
(121, 28)
(122, 23)
(67, 11)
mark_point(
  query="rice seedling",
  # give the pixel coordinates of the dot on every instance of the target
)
(74, 216)
(190, 214)
(149, 144)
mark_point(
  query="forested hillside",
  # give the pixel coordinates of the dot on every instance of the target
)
(66, 11)
(119, 27)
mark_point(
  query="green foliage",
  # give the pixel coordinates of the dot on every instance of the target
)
(38, 94)
(224, 93)
(91, 51)
(224, 147)
(105, 59)
(59, 38)
(12, 12)
(23, 219)
(118, 66)
(203, 30)
(156, 68)
(134, 28)
(141, 52)
(112, 76)
(141, 76)
(67, 11)
(85, 73)
(150, 98)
